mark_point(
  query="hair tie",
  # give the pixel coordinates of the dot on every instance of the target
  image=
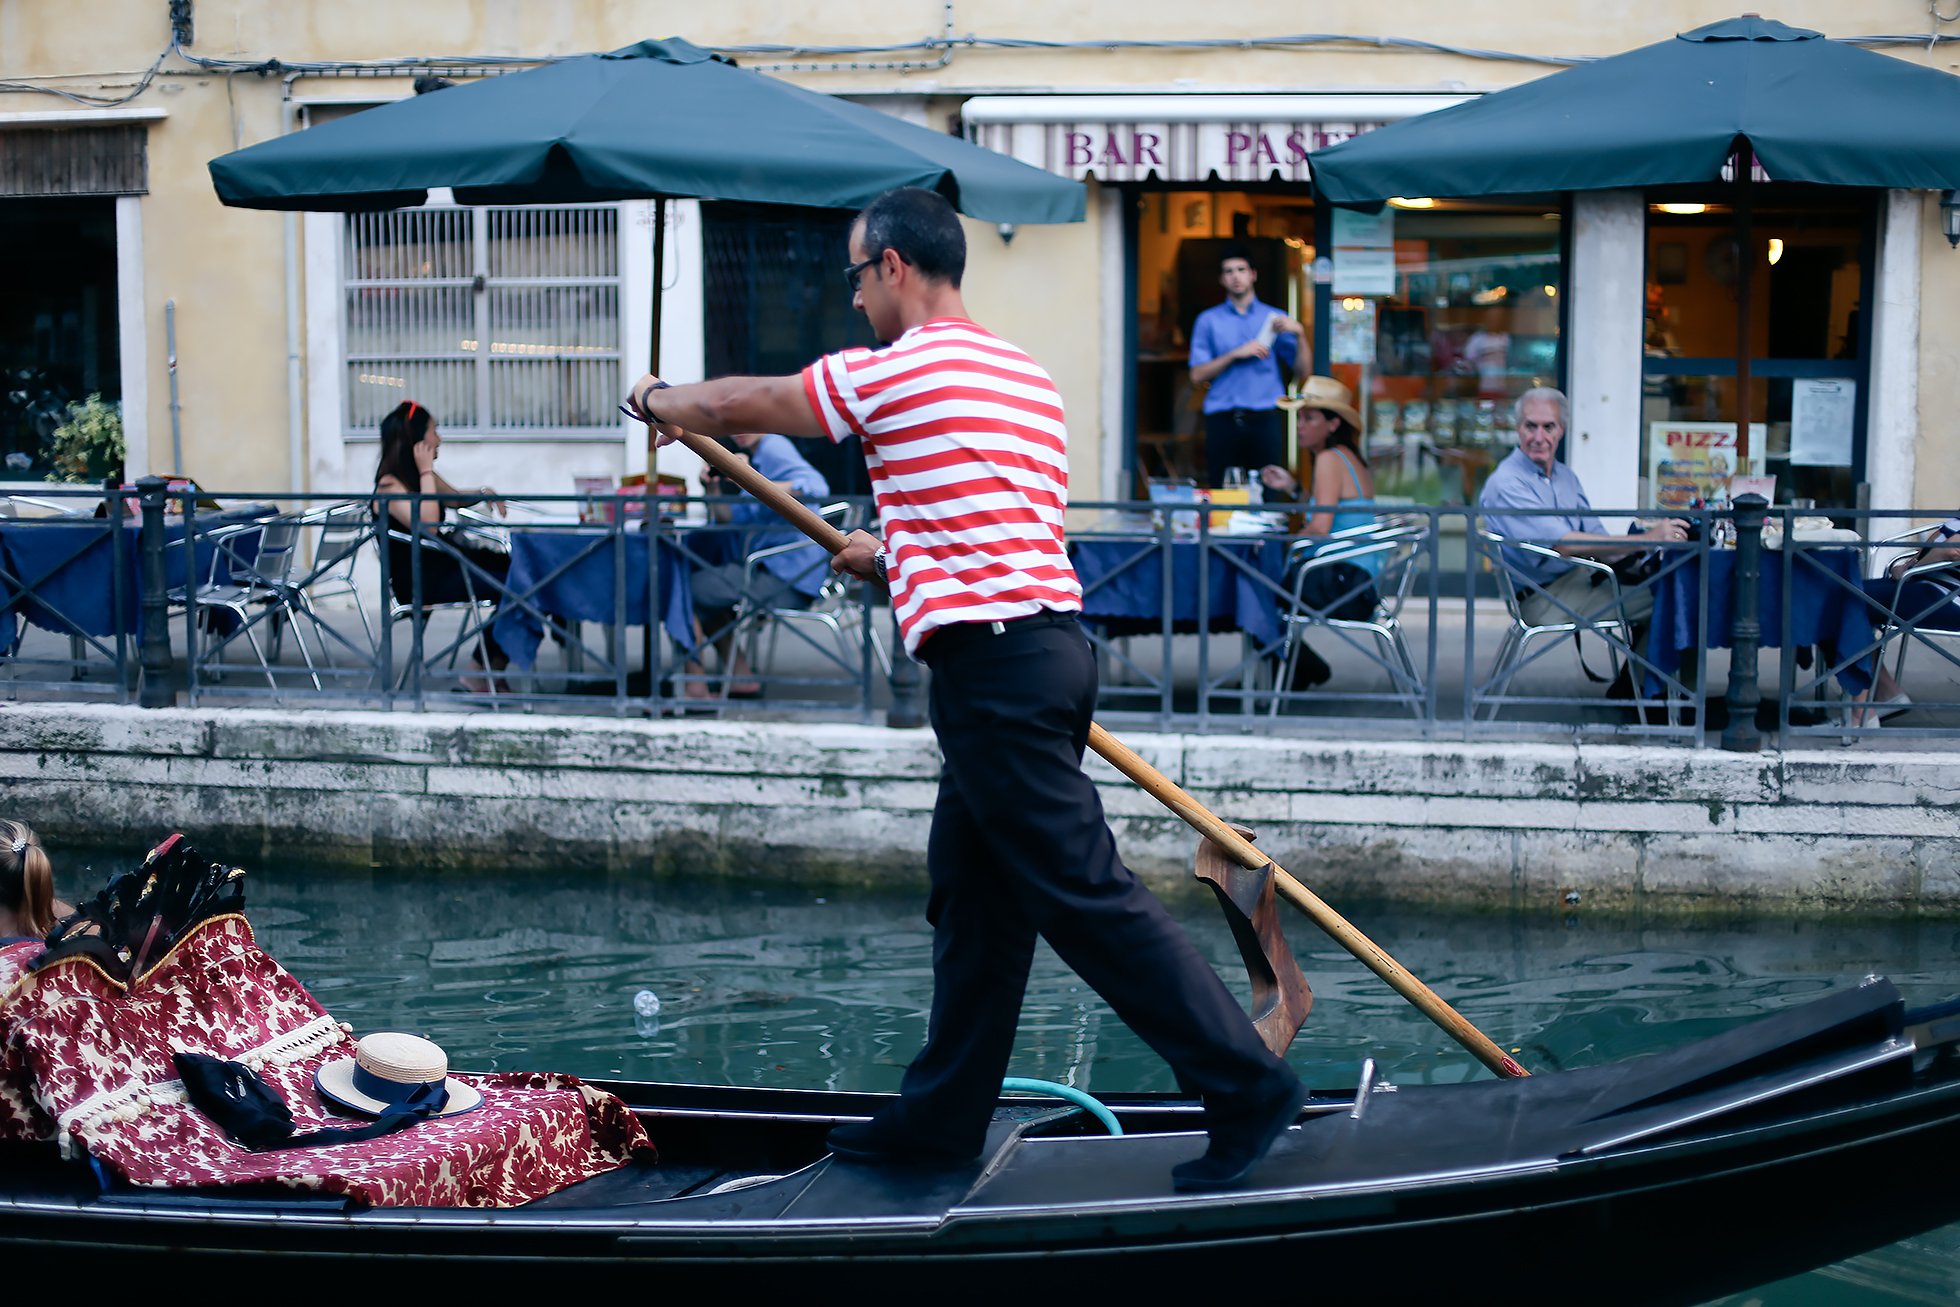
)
(20, 847)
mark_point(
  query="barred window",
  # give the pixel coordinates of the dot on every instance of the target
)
(499, 320)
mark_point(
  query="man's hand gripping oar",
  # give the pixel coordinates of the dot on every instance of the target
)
(1232, 845)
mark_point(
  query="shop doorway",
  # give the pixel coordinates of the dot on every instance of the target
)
(1177, 239)
(59, 339)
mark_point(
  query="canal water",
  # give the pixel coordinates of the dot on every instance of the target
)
(766, 984)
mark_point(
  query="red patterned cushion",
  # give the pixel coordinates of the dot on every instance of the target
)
(20, 1116)
(99, 1058)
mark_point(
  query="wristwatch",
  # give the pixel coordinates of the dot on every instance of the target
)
(640, 401)
(879, 565)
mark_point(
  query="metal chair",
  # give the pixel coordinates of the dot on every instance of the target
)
(1513, 651)
(1396, 544)
(26, 506)
(247, 577)
(477, 609)
(836, 609)
(1902, 626)
(338, 532)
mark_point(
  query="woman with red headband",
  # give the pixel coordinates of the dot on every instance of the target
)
(409, 441)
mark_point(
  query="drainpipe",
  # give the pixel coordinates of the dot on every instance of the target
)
(295, 408)
(176, 409)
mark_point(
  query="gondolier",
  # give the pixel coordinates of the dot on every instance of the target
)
(966, 444)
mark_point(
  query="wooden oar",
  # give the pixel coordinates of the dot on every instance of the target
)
(1160, 787)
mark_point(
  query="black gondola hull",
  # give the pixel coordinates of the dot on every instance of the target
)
(1787, 1144)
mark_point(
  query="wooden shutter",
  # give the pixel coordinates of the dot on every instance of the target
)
(109, 160)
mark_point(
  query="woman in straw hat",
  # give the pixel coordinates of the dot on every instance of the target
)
(1329, 429)
(1340, 499)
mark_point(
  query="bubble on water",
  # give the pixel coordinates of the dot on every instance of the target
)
(646, 1013)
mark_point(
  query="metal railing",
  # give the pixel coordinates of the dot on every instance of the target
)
(1425, 625)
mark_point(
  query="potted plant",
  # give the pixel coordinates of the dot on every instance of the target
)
(88, 445)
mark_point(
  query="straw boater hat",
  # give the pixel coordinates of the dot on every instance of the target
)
(391, 1073)
(1331, 396)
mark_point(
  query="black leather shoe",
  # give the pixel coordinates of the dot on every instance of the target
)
(1239, 1144)
(1310, 671)
(878, 1144)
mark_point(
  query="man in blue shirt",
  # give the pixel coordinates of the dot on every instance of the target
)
(1531, 477)
(1245, 349)
(790, 579)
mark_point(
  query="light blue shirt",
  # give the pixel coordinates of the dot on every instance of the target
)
(1517, 483)
(776, 458)
(1246, 383)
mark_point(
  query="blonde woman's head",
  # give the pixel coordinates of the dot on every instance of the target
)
(26, 879)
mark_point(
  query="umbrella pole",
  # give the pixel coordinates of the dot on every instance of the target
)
(1745, 291)
(649, 642)
(659, 279)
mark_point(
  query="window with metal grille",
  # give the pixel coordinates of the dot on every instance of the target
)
(498, 320)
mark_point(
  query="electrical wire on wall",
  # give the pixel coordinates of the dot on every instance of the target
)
(934, 52)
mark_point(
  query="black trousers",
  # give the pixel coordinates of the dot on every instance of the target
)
(1020, 848)
(1242, 437)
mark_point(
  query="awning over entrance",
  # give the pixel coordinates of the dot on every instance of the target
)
(1182, 138)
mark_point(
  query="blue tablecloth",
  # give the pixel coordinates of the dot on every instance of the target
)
(60, 573)
(1826, 605)
(1123, 585)
(569, 575)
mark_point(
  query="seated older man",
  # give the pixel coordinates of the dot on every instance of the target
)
(1531, 477)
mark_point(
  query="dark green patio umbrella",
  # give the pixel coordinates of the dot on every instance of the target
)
(657, 120)
(1673, 114)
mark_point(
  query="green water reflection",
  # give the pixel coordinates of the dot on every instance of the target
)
(781, 986)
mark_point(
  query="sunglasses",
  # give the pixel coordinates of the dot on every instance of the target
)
(855, 272)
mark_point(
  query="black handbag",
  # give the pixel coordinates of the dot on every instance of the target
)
(1339, 591)
(1633, 569)
(251, 1112)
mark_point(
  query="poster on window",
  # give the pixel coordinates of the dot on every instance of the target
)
(1693, 461)
(1353, 336)
(1821, 414)
(1364, 252)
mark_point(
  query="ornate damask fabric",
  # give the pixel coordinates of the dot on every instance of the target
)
(20, 1116)
(85, 1060)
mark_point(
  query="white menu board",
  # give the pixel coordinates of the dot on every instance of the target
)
(1822, 411)
(1364, 252)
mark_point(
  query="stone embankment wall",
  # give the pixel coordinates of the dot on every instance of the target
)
(1497, 825)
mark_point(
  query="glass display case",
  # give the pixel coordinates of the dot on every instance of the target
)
(1473, 323)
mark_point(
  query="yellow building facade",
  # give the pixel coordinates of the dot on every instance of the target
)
(255, 351)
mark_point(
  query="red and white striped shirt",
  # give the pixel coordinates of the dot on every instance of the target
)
(968, 453)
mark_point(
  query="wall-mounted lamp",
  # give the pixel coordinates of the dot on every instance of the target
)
(1006, 230)
(1775, 250)
(1950, 217)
